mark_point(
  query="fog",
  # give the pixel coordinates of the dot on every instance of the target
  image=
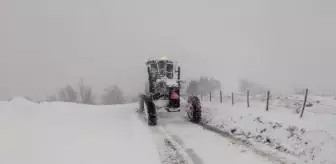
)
(47, 44)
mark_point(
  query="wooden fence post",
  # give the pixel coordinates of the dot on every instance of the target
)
(304, 103)
(232, 99)
(210, 96)
(221, 98)
(248, 98)
(267, 100)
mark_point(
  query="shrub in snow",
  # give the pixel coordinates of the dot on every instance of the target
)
(85, 93)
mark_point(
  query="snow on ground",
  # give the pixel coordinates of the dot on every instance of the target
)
(168, 151)
(33, 133)
(203, 146)
(280, 131)
(54, 133)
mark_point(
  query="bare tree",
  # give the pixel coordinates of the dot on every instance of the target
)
(243, 85)
(68, 94)
(254, 88)
(193, 88)
(135, 98)
(207, 84)
(51, 98)
(203, 85)
(85, 93)
(113, 95)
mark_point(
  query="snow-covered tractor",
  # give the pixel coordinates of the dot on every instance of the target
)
(163, 91)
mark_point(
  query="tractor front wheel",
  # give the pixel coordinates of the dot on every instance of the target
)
(195, 111)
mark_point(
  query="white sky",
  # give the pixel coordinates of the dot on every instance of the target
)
(46, 44)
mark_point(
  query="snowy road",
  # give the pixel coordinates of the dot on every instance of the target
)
(66, 133)
(203, 146)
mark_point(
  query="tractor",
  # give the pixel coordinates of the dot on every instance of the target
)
(162, 91)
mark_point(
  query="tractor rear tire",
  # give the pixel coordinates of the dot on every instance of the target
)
(151, 112)
(147, 107)
(142, 103)
(195, 111)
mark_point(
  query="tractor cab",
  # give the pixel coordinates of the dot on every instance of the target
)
(162, 68)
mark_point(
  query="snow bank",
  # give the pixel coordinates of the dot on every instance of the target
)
(21, 101)
(310, 139)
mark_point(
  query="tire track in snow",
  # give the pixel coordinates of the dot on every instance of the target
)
(189, 154)
(169, 150)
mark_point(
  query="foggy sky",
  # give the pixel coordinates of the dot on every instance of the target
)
(46, 44)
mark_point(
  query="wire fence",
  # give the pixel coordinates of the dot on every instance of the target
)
(297, 103)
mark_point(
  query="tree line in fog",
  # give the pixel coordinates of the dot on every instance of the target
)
(83, 93)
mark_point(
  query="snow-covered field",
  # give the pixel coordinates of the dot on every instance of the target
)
(280, 131)
(68, 133)
(64, 133)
